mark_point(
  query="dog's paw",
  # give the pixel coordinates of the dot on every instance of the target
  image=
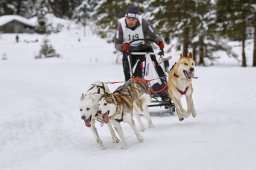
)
(124, 147)
(151, 125)
(186, 114)
(194, 114)
(181, 118)
(115, 140)
(99, 142)
(101, 147)
(142, 128)
(140, 139)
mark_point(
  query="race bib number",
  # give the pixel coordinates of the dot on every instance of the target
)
(133, 37)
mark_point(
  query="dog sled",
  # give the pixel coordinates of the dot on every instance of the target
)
(150, 73)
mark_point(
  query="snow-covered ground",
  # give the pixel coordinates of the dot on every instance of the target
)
(41, 128)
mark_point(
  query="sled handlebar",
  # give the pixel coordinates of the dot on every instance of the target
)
(143, 53)
(147, 40)
(151, 53)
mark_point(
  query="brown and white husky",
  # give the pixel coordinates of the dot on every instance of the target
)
(180, 83)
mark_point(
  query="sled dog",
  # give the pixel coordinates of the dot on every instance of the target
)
(89, 107)
(180, 83)
(120, 106)
(141, 87)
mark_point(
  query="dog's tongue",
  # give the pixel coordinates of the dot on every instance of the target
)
(105, 118)
(87, 123)
(188, 75)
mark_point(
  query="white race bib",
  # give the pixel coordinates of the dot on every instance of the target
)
(129, 35)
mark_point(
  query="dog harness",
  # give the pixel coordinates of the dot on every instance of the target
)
(123, 90)
(140, 82)
(181, 92)
(99, 87)
(120, 120)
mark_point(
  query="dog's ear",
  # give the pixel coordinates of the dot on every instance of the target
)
(190, 55)
(82, 97)
(181, 55)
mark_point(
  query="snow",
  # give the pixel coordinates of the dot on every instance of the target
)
(52, 20)
(41, 128)
(8, 18)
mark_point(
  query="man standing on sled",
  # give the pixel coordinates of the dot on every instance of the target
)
(132, 27)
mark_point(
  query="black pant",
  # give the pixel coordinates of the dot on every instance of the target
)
(139, 60)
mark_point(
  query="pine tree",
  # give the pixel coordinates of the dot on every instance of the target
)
(61, 8)
(8, 7)
(233, 17)
(203, 30)
(174, 19)
(162, 14)
(2, 8)
(108, 12)
(254, 48)
(47, 50)
(85, 10)
(189, 21)
(41, 17)
(26, 8)
(252, 23)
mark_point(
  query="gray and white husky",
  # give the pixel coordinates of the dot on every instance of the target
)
(89, 107)
(121, 106)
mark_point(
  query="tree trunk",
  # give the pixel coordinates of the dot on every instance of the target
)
(195, 53)
(185, 30)
(254, 48)
(201, 52)
(243, 54)
(185, 41)
(243, 45)
(194, 34)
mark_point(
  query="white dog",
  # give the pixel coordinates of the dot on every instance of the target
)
(89, 107)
